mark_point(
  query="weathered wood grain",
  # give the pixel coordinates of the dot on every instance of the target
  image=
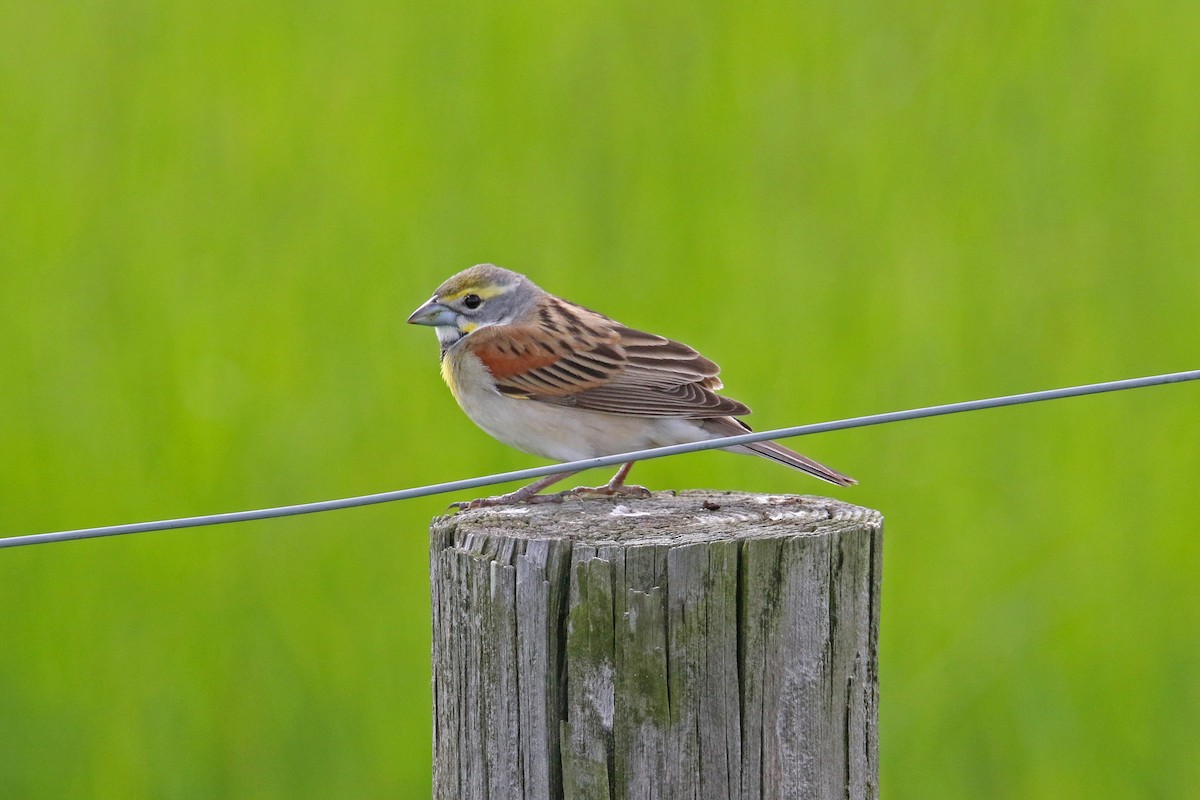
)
(705, 645)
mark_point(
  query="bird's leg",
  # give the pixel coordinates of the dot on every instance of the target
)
(616, 486)
(526, 494)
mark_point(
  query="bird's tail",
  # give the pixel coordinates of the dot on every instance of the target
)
(729, 426)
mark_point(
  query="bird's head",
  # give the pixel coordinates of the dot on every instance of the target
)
(474, 298)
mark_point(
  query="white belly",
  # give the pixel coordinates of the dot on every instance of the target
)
(556, 432)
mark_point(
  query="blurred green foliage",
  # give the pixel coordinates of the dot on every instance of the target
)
(215, 216)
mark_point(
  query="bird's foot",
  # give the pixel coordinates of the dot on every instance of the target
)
(510, 499)
(526, 494)
(609, 490)
(530, 494)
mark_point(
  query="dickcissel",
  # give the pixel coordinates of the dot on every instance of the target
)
(560, 381)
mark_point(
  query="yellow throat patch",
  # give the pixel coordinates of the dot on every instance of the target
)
(449, 377)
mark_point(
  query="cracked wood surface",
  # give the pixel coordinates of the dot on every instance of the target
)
(699, 645)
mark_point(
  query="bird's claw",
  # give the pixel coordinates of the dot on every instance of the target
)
(511, 499)
(515, 498)
(608, 490)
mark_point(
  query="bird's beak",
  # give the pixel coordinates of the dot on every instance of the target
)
(433, 313)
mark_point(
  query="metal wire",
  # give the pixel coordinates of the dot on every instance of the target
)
(603, 461)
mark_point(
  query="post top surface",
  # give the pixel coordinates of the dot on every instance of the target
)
(697, 515)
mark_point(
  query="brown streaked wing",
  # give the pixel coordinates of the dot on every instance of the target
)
(531, 360)
(658, 361)
(573, 356)
(662, 378)
(570, 355)
(690, 400)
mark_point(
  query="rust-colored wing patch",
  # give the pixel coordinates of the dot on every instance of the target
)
(533, 360)
(507, 357)
(569, 355)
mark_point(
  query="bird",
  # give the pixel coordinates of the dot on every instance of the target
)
(560, 381)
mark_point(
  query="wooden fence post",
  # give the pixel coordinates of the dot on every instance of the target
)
(705, 645)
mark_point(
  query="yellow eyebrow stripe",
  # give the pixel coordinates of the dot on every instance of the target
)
(486, 292)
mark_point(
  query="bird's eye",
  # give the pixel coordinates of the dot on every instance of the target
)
(472, 301)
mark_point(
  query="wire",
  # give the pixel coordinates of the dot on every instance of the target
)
(602, 461)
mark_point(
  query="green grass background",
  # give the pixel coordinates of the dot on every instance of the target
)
(215, 216)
